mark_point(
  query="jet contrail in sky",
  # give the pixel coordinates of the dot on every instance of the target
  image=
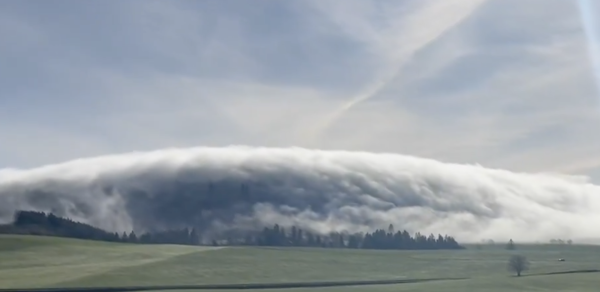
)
(420, 28)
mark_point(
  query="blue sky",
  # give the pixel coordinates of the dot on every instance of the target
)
(503, 83)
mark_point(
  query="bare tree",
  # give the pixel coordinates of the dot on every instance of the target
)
(518, 264)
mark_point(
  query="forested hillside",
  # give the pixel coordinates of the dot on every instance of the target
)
(39, 223)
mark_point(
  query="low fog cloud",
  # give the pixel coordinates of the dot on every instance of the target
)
(246, 188)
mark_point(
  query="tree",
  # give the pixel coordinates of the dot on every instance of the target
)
(132, 237)
(510, 245)
(518, 264)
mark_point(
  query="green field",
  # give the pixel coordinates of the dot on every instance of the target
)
(29, 261)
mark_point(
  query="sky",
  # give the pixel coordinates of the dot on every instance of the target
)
(501, 83)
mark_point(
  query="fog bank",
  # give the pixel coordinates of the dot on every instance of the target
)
(245, 188)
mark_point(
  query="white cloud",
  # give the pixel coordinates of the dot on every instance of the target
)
(319, 190)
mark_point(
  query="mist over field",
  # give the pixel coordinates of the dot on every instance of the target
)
(216, 189)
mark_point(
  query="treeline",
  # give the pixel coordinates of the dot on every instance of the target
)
(561, 241)
(379, 239)
(39, 223)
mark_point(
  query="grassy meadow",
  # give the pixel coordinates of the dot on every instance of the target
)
(30, 261)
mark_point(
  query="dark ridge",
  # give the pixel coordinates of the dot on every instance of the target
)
(233, 286)
(40, 223)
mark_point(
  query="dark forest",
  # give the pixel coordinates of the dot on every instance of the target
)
(39, 223)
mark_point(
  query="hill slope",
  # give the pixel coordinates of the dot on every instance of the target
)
(30, 261)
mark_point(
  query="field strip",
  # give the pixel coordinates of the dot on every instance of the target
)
(137, 263)
(258, 286)
(49, 273)
(121, 264)
(234, 286)
(564, 272)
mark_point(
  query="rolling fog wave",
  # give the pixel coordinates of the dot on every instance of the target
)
(216, 189)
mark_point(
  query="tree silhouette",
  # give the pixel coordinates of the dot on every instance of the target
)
(511, 245)
(132, 237)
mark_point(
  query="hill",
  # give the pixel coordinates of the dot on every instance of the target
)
(40, 223)
(32, 261)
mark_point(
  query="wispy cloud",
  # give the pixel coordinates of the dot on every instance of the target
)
(464, 81)
(407, 30)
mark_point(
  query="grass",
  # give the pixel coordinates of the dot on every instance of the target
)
(28, 261)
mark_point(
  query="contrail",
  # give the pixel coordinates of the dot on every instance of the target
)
(420, 29)
(219, 189)
(590, 25)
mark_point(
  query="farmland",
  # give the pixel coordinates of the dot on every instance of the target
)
(48, 262)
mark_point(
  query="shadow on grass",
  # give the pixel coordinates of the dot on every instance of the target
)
(563, 272)
(233, 286)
